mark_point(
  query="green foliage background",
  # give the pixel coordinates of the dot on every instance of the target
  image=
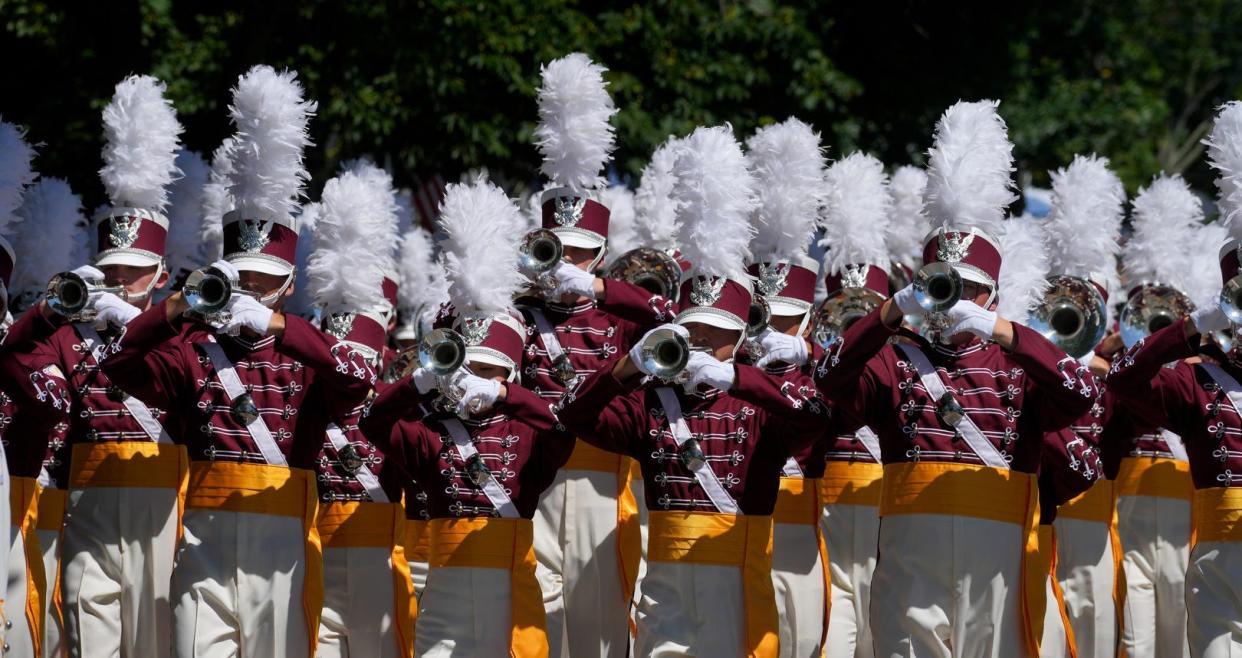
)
(441, 86)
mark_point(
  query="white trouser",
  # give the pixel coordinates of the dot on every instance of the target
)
(117, 558)
(1055, 641)
(947, 586)
(1085, 570)
(18, 636)
(53, 633)
(238, 586)
(359, 620)
(464, 611)
(798, 578)
(1214, 599)
(418, 576)
(1155, 533)
(578, 571)
(851, 533)
(639, 490)
(691, 610)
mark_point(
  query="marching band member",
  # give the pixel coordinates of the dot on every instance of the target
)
(1153, 479)
(959, 420)
(367, 586)
(710, 445)
(122, 519)
(1083, 229)
(422, 292)
(53, 228)
(1198, 401)
(587, 539)
(238, 382)
(482, 446)
(788, 165)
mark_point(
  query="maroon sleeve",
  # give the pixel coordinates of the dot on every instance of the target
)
(1145, 387)
(347, 377)
(636, 304)
(143, 369)
(31, 372)
(395, 403)
(606, 412)
(523, 405)
(797, 413)
(841, 372)
(1063, 389)
(1069, 465)
(32, 326)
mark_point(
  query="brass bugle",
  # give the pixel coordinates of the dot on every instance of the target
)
(665, 354)
(937, 287)
(69, 295)
(541, 250)
(442, 351)
(1154, 307)
(1072, 315)
(207, 291)
(650, 269)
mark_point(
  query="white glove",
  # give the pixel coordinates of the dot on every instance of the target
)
(112, 310)
(1209, 319)
(90, 273)
(904, 299)
(636, 352)
(572, 280)
(705, 369)
(227, 269)
(478, 394)
(969, 317)
(1087, 358)
(425, 381)
(247, 313)
(780, 347)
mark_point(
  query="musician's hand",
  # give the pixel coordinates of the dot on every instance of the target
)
(425, 381)
(478, 395)
(111, 310)
(229, 270)
(247, 313)
(781, 347)
(570, 280)
(705, 369)
(636, 352)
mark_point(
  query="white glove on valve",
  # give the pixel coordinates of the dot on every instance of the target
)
(706, 369)
(1209, 319)
(969, 317)
(478, 395)
(780, 347)
(112, 310)
(247, 313)
(570, 279)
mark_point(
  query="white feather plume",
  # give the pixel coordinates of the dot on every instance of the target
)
(654, 205)
(216, 202)
(1024, 270)
(969, 174)
(1203, 274)
(532, 208)
(423, 288)
(909, 217)
(857, 212)
(15, 174)
(715, 195)
(622, 232)
(53, 236)
(1225, 154)
(1084, 225)
(481, 228)
(354, 239)
(574, 133)
(141, 130)
(185, 213)
(271, 120)
(788, 163)
(1165, 214)
(302, 301)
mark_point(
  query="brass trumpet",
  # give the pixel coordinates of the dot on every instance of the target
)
(665, 354)
(1072, 315)
(442, 352)
(1154, 307)
(937, 287)
(650, 269)
(69, 295)
(541, 251)
(840, 311)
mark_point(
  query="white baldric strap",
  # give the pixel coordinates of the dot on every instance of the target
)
(870, 442)
(491, 488)
(791, 469)
(135, 407)
(978, 443)
(364, 475)
(233, 389)
(702, 471)
(547, 334)
(1176, 446)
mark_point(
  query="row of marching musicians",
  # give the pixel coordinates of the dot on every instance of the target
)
(948, 455)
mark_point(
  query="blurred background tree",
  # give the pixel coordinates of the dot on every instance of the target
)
(442, 86)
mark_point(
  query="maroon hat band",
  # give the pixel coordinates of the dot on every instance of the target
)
(357, 328)
(563, 210)
(262, 238)
(973, 251)
(870, 277)
(135, 230)
(715, 296)
(780, 279)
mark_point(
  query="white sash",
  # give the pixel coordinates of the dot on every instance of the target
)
(975, 439)
(491, 488)
(1176, 445)
(791, 469)
(233, 389)
(866, 436)
(364, 475)
(702, 471)
(547, 334)
(135, 407)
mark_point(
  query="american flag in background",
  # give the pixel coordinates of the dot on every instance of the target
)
(426, 197)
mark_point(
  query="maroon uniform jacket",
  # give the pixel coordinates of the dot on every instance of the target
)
(1185, 399)
(303, 369)
(520, 441)
(34, 400)
(746, 434)
(1014, 397)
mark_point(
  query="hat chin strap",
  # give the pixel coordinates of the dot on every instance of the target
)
(270, 299)
(139, 297)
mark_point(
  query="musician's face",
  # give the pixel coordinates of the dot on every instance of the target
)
(263, 284)
(135, 280)
(489, 371)
(720, 343)
(579, 257)
(786, 324)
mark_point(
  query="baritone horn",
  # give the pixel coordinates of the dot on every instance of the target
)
(650, 269)
(665, 354)
(69, 295)
(840, 311)
(1154, 307)
(1072, 315)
